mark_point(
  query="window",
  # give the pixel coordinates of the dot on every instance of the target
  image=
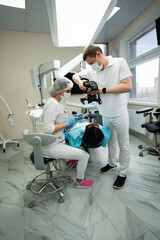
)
(145, 81)
(143, 59)
(143, 44)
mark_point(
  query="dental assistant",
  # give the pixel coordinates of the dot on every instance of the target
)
(113, 77)
(55, 121)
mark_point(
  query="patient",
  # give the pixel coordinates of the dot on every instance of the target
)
(88, 135)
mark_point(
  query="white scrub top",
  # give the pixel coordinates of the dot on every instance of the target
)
(53, 113)
(113, 105)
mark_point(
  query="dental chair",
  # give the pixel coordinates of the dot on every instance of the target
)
(152, 127)
(55, 179)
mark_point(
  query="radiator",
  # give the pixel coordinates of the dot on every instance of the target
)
(135, 121)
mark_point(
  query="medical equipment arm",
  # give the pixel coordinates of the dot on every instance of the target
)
(38, 73)
(71, 65)
(38, 76)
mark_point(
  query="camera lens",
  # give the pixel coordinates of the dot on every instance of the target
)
(86, 84)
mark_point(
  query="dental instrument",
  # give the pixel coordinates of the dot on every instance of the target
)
(35, 114)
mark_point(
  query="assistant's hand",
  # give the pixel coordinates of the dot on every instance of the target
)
(73, 119)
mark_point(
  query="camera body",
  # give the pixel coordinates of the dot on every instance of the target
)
(94, 87)
(91, 84)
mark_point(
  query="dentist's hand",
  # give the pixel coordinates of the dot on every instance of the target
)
(99, 91)
(81, 86)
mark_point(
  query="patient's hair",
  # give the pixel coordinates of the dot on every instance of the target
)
(90, 51)
(93, 136)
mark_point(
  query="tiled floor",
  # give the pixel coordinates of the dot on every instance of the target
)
(103, 213)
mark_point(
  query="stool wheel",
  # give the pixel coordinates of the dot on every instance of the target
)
(31, 204)
(140, 146)
(141, 154)
(70, 180)
(28, 187)
(60, 200)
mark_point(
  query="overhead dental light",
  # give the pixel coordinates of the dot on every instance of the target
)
(77, 22)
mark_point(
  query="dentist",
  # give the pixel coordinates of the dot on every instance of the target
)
(113, 77)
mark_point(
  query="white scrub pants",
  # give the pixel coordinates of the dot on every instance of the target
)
(62, 150)
(120, 131)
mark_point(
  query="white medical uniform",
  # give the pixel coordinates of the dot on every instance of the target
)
(114, 110)
(54, 113)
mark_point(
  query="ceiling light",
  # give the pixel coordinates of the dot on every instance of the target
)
(74, 22)
(15, 3)
(115, 9)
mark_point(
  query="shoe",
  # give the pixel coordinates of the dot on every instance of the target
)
(72, 164)
(107, 168)
(119, 183)
(85, 184)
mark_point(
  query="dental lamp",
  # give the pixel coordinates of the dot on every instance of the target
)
(38, 73)
(9, 118)
(11, 122)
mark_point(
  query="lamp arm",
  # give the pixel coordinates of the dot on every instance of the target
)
(8, 108)
(71, 65)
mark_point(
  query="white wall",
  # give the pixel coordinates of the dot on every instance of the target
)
(20, 51)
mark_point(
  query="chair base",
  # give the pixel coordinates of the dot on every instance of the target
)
(46, 186)
(151, 150)
(4, 142)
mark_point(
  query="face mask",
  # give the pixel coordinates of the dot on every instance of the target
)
(66, 96)
(96, 67)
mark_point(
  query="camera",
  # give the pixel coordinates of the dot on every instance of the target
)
(94, 87)
(91, 84)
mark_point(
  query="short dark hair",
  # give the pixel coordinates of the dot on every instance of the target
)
(93, 136)
(90, 51)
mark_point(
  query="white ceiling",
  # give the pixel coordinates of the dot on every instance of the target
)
(35, 19)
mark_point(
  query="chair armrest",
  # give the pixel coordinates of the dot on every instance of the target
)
(46, 139)
(144, 110)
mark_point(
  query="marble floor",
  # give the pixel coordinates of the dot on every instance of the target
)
(132, 213)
